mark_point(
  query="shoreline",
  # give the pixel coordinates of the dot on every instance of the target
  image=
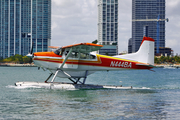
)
(167, 65)
(16, 65)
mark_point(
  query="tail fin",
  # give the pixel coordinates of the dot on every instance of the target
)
(145, 54)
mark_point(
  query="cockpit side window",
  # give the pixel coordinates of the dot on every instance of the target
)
(59, 51)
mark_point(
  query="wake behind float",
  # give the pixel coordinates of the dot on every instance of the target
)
(61, 85)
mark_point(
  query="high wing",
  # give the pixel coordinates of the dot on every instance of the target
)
(84, 47)
(81, 47)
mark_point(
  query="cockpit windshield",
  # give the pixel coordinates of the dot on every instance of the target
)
(59, 51)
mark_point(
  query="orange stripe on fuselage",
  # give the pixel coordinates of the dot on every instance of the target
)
(48, 54)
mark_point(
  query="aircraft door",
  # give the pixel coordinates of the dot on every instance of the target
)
(72, 61)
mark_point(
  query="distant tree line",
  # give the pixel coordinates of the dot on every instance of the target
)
(168, 60)
(18, 59)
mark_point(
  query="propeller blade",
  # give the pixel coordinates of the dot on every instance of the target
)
(31, 48)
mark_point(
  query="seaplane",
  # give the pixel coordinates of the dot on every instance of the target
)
(75, 62)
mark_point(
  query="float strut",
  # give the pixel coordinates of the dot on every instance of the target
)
(54, 76)
(72, 80)
(85, 77)
(78, 81)
(48, 78)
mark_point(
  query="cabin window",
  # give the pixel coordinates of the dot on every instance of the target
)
(79, 55)
(87, 56)
(84, 56)
(66, 52)
(74, 55)
(92, 57)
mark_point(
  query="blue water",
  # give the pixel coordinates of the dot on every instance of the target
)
(156, 95)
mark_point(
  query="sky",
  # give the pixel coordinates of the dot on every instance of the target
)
(75, 21)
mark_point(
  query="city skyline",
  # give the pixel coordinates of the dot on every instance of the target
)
(75, 22)
(23, 23)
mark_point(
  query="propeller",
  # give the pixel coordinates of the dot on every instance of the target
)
(30, 55)
(31, 49)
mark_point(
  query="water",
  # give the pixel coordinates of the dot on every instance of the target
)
(155, 96)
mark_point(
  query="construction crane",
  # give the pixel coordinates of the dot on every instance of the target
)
(157, 35)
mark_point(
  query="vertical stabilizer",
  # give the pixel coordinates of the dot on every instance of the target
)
(145, 54)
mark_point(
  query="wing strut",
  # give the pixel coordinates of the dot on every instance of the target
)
(60, 67)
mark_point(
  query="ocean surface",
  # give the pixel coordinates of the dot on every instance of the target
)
(155, 95)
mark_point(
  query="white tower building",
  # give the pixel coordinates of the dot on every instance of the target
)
(108, 26)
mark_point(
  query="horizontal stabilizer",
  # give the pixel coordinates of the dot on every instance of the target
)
(148, 65)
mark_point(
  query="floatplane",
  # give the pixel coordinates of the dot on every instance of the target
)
(77, 61)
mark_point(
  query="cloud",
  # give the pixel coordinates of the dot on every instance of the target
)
(73, 20)
(124, 22)
(173, 26)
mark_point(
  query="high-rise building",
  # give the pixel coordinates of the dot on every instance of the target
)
(147, 9)
(108, 26)
(23, 23)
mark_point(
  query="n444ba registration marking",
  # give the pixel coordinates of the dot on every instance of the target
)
(121, 64)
